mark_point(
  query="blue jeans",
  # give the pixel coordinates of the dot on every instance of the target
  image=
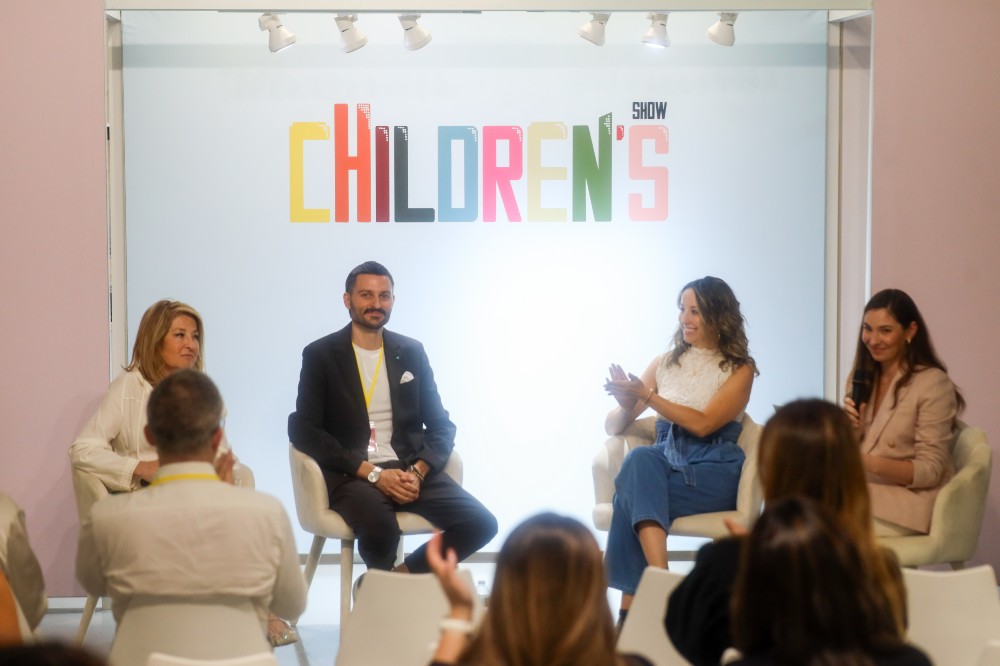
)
(679, 475)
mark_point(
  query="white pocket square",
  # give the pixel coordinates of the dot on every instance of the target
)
(407, 377)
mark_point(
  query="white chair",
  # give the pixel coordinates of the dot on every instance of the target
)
(644, 633)
(641, 432)
(262, 659)
(202, 629)
(312, 505)
(990, 656)
(396, 620)
(952, 614)
(958, 509)
(89, 489)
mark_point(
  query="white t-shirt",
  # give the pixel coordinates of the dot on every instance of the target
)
(380, 405)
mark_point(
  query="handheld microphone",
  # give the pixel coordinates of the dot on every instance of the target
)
(860, 386)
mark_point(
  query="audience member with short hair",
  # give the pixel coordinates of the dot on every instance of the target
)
(548, 606)
(806, 594)
(809, 449)
(190, 537)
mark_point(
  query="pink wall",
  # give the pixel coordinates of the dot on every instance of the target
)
(53, 261)
(936, 192)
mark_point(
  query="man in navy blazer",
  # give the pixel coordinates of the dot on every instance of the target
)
(368, 411)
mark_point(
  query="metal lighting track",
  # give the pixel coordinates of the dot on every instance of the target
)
(400, 6)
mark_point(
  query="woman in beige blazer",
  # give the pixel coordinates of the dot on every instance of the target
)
(904, 407)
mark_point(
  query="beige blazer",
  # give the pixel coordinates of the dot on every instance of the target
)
(918, 426)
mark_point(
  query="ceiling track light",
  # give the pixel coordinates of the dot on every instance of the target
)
(722, 32)
(351, 39)
(414, 36)
(278, 38)
(656, 33)
(593, 30)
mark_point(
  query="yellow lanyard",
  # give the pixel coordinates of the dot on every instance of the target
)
(185, 477)
(371, 389)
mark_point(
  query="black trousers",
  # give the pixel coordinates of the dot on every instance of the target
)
(466, 524)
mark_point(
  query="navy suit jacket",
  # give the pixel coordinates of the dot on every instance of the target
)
(330, 421)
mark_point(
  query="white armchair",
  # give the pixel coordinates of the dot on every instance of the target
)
(958, 510)
(312, 505)
(641, 432)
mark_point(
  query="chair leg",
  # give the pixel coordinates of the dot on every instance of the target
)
(346, 580)
(88, 614)
(313, 560)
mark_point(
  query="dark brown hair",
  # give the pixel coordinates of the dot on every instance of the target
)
(804, 594)
(919, 352)
(809, 449)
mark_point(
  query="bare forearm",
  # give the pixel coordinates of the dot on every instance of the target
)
(696, 422)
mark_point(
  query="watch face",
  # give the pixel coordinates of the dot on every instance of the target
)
(374, 474)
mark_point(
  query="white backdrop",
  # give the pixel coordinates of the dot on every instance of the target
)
(520, 319)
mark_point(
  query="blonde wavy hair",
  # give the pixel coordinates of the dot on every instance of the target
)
(147, 352)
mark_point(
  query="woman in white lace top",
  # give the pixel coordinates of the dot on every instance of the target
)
(699, 389)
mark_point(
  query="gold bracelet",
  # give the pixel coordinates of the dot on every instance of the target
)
(413, 468)
(648, 396)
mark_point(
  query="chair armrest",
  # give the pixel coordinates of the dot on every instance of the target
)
(309, 487)
(88, 489)
(608, 462)
(958, 509)
(455, 467)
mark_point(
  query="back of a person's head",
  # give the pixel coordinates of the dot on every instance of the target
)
(47, 654)
(803, 593)
(184, 412)
(548, 604)
(809, 448)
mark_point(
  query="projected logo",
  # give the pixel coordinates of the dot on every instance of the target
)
(516, 169)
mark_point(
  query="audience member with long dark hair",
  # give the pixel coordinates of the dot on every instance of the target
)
(806, 595)
(905, 414)
(548, 605)
(809, 449)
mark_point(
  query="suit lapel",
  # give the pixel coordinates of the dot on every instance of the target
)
(347, 364)
(395, 364)
(885, 413)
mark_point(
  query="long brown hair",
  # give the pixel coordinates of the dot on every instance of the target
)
(153, 328)
(803, 593)
(809, 449)
(548, 605)
(721, 312)
(919, 353)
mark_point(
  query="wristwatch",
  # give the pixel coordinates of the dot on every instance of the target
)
(374, 474)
